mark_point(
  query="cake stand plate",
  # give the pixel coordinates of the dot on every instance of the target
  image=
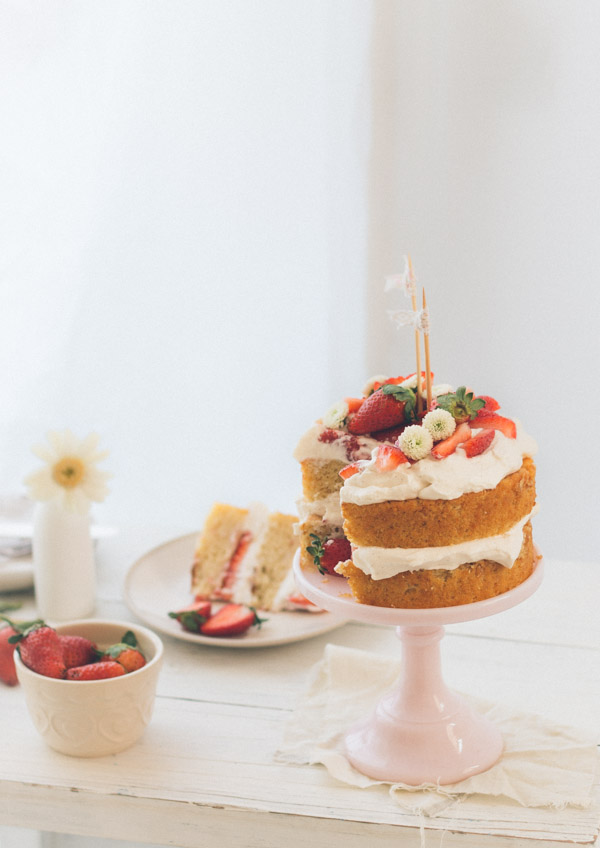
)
(421, 732)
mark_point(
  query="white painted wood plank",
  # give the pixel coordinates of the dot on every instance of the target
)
(205, 765)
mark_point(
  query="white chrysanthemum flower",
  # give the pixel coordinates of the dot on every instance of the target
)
(336, 416)
(440, 424)
(70, 475)
(415, 441)
(378, 378)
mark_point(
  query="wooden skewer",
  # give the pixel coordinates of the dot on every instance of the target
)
(417, 342)
(427, 359)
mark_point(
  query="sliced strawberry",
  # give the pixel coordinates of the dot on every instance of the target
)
(378, 412)
(449, 445)
(299, 602)
(491, 404)
(96, 671)
(354, 404)
(193, 616)
(395, 381)
(230, 620)
(496, 422)
(388, 435)
(389, 457)
(479, 443)
(349, 470)
(224, 592)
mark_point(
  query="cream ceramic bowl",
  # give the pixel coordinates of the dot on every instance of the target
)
(92, 718)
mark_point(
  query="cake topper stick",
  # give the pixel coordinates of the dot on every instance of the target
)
(411, 277)
(425, 325)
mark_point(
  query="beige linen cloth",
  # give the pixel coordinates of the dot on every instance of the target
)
(543, 765)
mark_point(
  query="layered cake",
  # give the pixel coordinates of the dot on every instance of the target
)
(245, 556)
(432, 507)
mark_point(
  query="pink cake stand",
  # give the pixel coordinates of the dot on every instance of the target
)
(420, 732)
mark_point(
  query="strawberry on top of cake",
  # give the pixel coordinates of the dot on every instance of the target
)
(438, 513)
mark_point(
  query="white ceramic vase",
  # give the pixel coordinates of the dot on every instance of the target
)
(63, 560)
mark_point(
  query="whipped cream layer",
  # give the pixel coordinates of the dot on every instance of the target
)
(441, 479)
(380, 563)
(256, 523)
(346, 448)
(329, 509)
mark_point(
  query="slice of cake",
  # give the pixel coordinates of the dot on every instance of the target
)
(439, 515)
(245, 556)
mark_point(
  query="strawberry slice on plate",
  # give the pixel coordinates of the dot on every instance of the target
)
(231, 620)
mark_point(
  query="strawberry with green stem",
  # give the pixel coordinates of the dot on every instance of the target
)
(326, 555)
(192, 616)
(126, 652)
(389, 406)
(40, 649)
(231, 620)
(461, 404)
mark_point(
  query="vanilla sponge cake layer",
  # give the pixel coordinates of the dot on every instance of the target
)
(277, 548)
(428, 588)
(419, 523)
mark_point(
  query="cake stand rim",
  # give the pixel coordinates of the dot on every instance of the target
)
(331, 598)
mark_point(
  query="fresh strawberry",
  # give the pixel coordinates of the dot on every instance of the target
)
(388, 435)
(40, 649)
(349, 470)
(496, 422)
(126, 652)
(354, 404)
(96, 671)
(461, 404)
(231, 620)
(389, 457)
(299, 602)
(77, 650)
(449, 445)
(8, 673)
(378, 412)
(491, 404)
(326, 555)
(193, 616)
(479, 443)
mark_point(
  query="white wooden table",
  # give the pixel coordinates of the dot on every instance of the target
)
(204, 770)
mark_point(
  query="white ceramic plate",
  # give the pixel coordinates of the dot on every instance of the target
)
(160, 582)
(16, 574)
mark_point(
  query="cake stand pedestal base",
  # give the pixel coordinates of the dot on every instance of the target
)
(421, 732)
(422, 728)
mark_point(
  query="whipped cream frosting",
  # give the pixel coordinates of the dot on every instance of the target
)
(380, 563)
(441, 479)
(256, 523)
(346, 448)
(328, 508)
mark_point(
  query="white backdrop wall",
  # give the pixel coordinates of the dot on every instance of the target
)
(200, 201)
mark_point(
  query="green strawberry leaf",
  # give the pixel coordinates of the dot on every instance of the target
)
(129, 639)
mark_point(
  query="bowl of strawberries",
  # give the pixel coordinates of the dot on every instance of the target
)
(89, 685)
